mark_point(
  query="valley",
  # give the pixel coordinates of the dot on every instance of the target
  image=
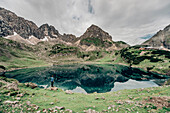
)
(92, 72)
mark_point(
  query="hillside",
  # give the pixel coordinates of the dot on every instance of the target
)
(96, 39)
(20, 97)
(161, 38)
(18, 55)
(148, 59)
(26, 45)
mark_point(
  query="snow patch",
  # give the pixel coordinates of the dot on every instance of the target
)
(7, 37)
(31, 36)
(15, 33)
(44, 39)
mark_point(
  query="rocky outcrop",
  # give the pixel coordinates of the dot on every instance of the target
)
(94, 37)
(68, 38)
(5, 29)
(161, 38)
(97, 39)
(46, 30)
(95, 31)
(13, 23)
(31, 85)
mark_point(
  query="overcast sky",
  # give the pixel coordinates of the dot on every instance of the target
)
(125, 20)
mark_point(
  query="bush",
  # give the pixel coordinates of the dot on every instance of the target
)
(92, 40)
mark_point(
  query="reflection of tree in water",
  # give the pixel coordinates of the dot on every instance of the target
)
(92, 78)
(2, 70)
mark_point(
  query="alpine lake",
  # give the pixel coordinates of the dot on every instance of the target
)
(87, 78)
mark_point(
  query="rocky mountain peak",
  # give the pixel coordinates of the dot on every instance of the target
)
(12, 23)
(160, 39)
(49, 30)
(94, 28)
(96, 32)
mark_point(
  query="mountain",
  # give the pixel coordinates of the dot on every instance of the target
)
(96, 39)
(46, 30)
(11, 23)
(161, 38)
(93, 39)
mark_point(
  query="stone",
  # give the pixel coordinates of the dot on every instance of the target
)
(17, 98)
(97, 98)
(20, 95)
(109, 108)
(68, 110)
(52, 103)
(90, 111)
(31, 85)
(12, 86)
(59, 108)
(33, 105)
(38, 111)
(112, 106)
(11, 102)
(44, 110)
(28, 103)
(36, 108)
(52, 88)
(103, 98)
(28, 109)
(105, 110)
(68, 92)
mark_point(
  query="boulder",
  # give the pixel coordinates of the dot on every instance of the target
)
(69, 111)
(68, 92)
(11, 102)
(12, 86)
(90, 111)
(52, 88)
(20, 95)
(31, 85)
(28, 103)
(52, 103)
(59, 108)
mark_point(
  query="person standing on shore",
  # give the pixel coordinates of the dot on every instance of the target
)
(52, 81)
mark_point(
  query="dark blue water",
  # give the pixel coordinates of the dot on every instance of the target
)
(88, 78)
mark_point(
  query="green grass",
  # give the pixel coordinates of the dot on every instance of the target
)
(80, 102)
(92, 40)
(158, 59)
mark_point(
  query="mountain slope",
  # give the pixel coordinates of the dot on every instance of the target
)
(19, 55)
(16, 24)
(96, 39)
(161, 38)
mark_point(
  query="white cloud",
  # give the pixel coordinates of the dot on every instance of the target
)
(125, 20)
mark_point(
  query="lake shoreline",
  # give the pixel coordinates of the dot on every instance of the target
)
(88, 62)
(40, 100)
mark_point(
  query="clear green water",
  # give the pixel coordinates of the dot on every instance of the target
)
(88, 78)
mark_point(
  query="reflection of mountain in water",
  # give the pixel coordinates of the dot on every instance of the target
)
(92, 78)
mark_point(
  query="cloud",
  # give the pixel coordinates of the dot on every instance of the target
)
(125, 20)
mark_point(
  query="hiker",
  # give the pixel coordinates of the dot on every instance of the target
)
(52, 81)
